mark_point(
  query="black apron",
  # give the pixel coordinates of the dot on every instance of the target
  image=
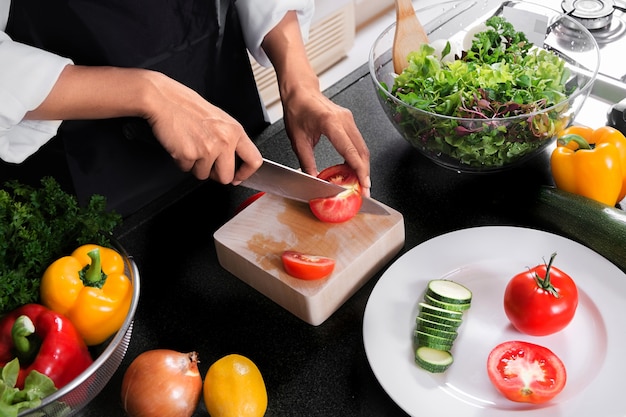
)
(197, 42)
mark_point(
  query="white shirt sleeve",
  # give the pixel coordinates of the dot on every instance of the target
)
(259, 17)
(27, 81)
(26, 77)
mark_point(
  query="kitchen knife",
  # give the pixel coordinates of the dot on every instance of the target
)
(290, 183)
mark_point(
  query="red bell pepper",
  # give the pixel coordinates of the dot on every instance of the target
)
(45, 341)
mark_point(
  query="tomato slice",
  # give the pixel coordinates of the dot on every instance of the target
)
(307, 267)
(526, 372)
(248, 201)
(344, 205)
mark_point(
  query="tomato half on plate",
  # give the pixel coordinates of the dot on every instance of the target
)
(526, 372)
(307, 267)
(344, 205)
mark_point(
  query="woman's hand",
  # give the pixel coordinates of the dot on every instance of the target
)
(200, 137)
(308, 114)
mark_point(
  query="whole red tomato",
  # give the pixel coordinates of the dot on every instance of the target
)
(541, 301)
(344, 205)
(526, 372)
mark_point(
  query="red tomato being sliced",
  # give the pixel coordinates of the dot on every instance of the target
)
(526, 372)
(307, 267)
(344, 205)
(541, 301)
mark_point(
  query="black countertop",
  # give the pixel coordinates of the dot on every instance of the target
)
(190, 303)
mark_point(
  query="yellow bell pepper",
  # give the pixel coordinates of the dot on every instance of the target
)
(91, 289)
(591, 163)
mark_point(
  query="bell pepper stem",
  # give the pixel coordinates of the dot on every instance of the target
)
(572, 137)
(92, 275)
(26, 346)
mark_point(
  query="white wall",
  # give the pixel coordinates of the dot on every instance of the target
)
(367, 9)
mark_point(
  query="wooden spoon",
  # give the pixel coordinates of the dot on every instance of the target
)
(409, 35)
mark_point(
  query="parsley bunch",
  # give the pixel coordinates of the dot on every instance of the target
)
(39, 225)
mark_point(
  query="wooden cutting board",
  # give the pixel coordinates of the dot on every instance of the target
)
(251, 243)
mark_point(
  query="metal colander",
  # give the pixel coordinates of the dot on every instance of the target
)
(70, 399)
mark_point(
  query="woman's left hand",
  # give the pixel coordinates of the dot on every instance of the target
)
(309, 114)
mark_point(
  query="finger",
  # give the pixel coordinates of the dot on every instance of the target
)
(359, 159)
(352, 147)
(307, 162)
(223, 169)
(185, 165)
(249, 160)
(303, 148)
(360, 163)
(202, 168)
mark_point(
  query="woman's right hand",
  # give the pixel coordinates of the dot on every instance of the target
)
(200, 137)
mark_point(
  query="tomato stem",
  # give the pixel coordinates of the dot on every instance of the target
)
(544, 283)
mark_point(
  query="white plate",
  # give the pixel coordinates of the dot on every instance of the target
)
(484, 259)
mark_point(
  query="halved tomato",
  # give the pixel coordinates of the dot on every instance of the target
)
(344, 205)
(526, 372)
(308, 267)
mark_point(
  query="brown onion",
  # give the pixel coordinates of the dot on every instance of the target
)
(162, 383)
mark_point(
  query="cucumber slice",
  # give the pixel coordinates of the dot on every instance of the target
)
(426, 339)
(439, 311)
(425, 322)
(439, 319)
(448, 306)
(448, 335)
(448, 292)
(433, 360)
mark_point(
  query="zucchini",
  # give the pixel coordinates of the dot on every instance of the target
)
(449, 292)
(440, 315)
(448, 306)
(433, 360)
(444, 334)
(439, 319)
(422, 321)
(432, 341)
(439, 311)
(598, 226)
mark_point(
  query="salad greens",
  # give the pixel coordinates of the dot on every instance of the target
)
(501, 76)
(14, 400)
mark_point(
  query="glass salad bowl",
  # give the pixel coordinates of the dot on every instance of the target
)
(513, 111)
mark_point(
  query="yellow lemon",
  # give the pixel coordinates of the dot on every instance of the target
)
(234, 387)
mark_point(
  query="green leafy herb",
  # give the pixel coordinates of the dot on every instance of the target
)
(39, 225)
(501, 76)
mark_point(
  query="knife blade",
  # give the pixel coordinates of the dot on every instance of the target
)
(290, 183)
